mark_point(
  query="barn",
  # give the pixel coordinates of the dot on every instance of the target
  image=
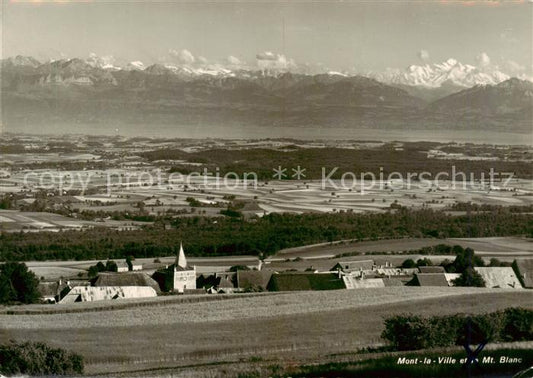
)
(253, 279)
(93, 293)
(125, 279)
(500, 277)
(295, 281)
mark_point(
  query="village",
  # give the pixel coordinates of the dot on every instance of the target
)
(130, 278)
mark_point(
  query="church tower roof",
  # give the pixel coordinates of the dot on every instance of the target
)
(181, 260)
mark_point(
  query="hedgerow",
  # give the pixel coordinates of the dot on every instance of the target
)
(412, 332)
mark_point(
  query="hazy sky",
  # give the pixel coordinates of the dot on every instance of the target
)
(345, 35)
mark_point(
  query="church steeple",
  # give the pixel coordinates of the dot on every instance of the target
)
(181, 261)
(184, 275)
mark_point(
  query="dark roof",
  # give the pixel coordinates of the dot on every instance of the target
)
(253, 278)
(431, 269)
(125, 279)
(304, 281)
(525, 270)
(431, 279)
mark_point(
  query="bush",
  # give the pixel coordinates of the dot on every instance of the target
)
(481, 328)
(38, 359)
(111, 266)
(410, 332)
(444, 330)
(406, 332)
(518, 324)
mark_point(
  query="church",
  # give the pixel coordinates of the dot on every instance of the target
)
(184, 275)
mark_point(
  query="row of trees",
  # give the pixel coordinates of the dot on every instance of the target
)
(411, 332)
(260, 236)
(413, 158)
(110, 266)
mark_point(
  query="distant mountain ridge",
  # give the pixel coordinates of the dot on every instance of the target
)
(88, 91)
(511, 96)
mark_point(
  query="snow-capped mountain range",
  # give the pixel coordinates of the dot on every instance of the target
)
(97, 90)
(438, 74)
(450, 73)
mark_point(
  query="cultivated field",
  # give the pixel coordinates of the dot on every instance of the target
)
(509, 247)
(272, 196)
(16, 221)
(283, 328)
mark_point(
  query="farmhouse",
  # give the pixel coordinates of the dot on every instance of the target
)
(501, 277)
(107, 286)
(125, 279)
(304, 281)
(92, 293)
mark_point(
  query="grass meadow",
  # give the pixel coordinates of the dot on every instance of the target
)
(284, 329)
